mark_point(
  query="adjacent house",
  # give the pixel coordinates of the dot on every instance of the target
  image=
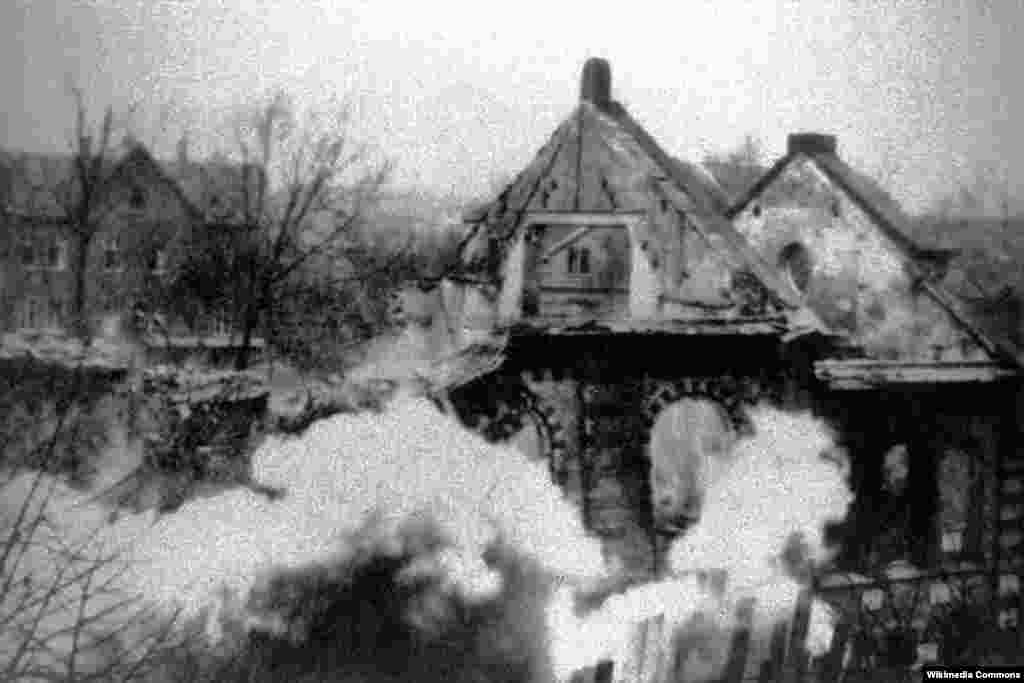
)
(627, 291)
(146, 210)
(844, 245)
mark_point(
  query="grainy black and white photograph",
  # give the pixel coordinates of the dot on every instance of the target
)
(393, 342)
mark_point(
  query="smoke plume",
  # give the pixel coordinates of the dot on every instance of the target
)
(447, 546)
(406, 547)
(764, 508)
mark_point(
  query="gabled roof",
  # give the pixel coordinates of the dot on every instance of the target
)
(29, 181)
(33, 181)
(140, 156)
(598, 160)
(601, 160)
(207, 185)
(924, 265)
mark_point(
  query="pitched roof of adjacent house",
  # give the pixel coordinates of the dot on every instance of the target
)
(140, 156)
(601, 160)
(926, 265)
(30, 183)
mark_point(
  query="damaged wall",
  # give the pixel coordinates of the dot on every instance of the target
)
(618, 445)
(689, 443)
(926, 471)
(576, 270)
(857, 282)
(649, 268)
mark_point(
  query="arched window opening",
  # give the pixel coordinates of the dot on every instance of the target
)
(690, 443)
(796, 263)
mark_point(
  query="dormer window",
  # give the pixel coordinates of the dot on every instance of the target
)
(757, 211)
(578, 260)
(836, 209)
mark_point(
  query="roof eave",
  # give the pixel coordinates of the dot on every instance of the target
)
(872, 375)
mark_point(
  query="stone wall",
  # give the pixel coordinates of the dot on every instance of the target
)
(937, 473)
(594, 432)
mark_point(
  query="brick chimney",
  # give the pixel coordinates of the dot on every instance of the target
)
(183, 153)
(811, 143)
(596, 82)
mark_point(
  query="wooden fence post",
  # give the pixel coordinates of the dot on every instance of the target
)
(628, 668)
(832, 664)
(736, 665)
(771, 668)
(604, 672)
(654, 657)
(686, 640)
(795, 664)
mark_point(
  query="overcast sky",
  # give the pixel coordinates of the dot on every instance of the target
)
(921, 92)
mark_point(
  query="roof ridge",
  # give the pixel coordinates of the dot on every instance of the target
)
(143, 151)
(707, 212)
(758, 187)
(992, 341)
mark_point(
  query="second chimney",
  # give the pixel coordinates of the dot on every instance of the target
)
(183, 153)
(811, 143)
(596, 82)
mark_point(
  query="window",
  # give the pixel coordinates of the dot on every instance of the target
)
(39, 313)
(49, 253)
(795, 263)
(155, 324)
(689, 447)
(137, 199)
(927, 510)
(31, 313)
(578, 260)
(158, 261)
(221, 325)
(27, 254)
(111, 254)
(56, 255)
(956, 483)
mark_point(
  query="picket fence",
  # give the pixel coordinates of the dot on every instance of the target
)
(782, 659)
(886, 628)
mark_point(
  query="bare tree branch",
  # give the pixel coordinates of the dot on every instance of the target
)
(304, 192)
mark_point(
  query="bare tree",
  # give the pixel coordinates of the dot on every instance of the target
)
(65, 613)
(75, 196)
(298, 199)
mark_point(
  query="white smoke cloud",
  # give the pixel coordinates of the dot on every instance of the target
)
(461, 524)
(775, 486)
(407, 463)
(778, 485)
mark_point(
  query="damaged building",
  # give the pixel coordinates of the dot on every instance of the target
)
(633, 299)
